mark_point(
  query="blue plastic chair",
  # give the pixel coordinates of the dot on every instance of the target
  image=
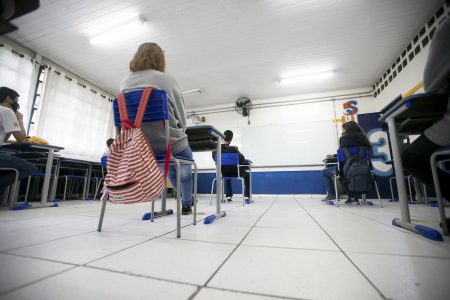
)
(229, 159)
(99, 180)
(156, 110)
(341, 159)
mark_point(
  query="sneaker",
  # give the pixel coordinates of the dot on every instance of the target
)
(328, 198)
(186, 210)
(247, 200)
(229, 199)
(352, 201)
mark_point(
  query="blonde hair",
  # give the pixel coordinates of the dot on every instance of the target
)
(148, 56)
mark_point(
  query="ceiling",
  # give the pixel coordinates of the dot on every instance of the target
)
(231, 48)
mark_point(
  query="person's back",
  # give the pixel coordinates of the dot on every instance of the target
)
(148, 70)
(154, 131)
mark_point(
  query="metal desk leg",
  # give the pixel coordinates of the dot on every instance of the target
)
(405, 222)
(55, 181)
(87, 182)
(48, 171)
(218, 175)
(250, 182)
(398, 166)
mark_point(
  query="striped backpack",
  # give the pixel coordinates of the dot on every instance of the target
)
(133, 174)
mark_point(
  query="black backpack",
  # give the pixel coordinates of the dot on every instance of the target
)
(357, 172)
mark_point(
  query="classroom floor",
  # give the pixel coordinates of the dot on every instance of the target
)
(279, 247)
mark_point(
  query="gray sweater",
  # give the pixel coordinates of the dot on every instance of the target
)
(154, 131)
(436, 79)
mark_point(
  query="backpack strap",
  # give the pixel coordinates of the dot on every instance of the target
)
(124, 120)
(346, 153)
(361, 151)
(142, 106)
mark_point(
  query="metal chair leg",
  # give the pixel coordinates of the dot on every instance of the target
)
(212, 190)
(439, 197)
(378, 193)
(104, 198)
(336, 190)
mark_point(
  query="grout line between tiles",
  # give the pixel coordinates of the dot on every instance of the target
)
(345, 254)
(231, 253)
(35, 281)
(410, 233)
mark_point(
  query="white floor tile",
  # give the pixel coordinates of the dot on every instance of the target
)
(213, 233)
(86, 283)
(29, 236)
(207, 294)
(16, 271)
(308, 237)
(407, 277)
(81, 249)
(180, 260)
(295, 273)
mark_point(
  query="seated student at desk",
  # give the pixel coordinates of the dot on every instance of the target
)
(436, 79)
(352, 136)
(11, 122)
(231, 171)
(148, 70)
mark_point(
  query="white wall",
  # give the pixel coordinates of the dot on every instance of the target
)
(309, 109)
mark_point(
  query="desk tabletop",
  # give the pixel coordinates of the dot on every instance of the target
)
(25, 146)
(203, 132)
(418, 112)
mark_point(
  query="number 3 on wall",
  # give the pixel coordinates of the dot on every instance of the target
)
(380, 152)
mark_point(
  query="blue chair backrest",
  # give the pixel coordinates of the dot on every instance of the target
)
(228, 159)
(353, 151)
(104, 161)
(156, 109)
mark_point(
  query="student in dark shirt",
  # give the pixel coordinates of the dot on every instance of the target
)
(352, 136)
(231, 171)
(436, 79)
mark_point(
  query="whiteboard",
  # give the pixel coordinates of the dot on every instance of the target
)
(289, 144)
(292, 144)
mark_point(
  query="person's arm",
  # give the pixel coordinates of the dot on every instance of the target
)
(13, 124)
(7, 136)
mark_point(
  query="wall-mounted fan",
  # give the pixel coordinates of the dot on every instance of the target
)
(243, 105)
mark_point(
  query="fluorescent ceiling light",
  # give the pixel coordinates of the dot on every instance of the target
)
(306, 76)
(119, 33)
(191, 92)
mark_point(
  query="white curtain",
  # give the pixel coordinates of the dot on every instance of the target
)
(16, 73)
(74, 117)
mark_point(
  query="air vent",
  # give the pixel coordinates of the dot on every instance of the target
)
(420, 40)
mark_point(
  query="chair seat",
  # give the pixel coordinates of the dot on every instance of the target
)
(162, 157)
(74, 176)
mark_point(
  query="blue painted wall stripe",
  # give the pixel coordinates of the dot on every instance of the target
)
(281, 182)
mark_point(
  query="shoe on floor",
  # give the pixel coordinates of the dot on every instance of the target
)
(186, 210)
(247, 200)
(328, 198)
(352, 201)
(229, 199)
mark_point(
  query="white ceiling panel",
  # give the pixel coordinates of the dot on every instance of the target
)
(231, 48)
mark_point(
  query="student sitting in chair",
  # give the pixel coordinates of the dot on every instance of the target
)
(436, 79)
(230, 171)
(11, 122)
(352, 136)
(148, 70)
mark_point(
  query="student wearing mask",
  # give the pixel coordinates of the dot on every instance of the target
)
(11, 123)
